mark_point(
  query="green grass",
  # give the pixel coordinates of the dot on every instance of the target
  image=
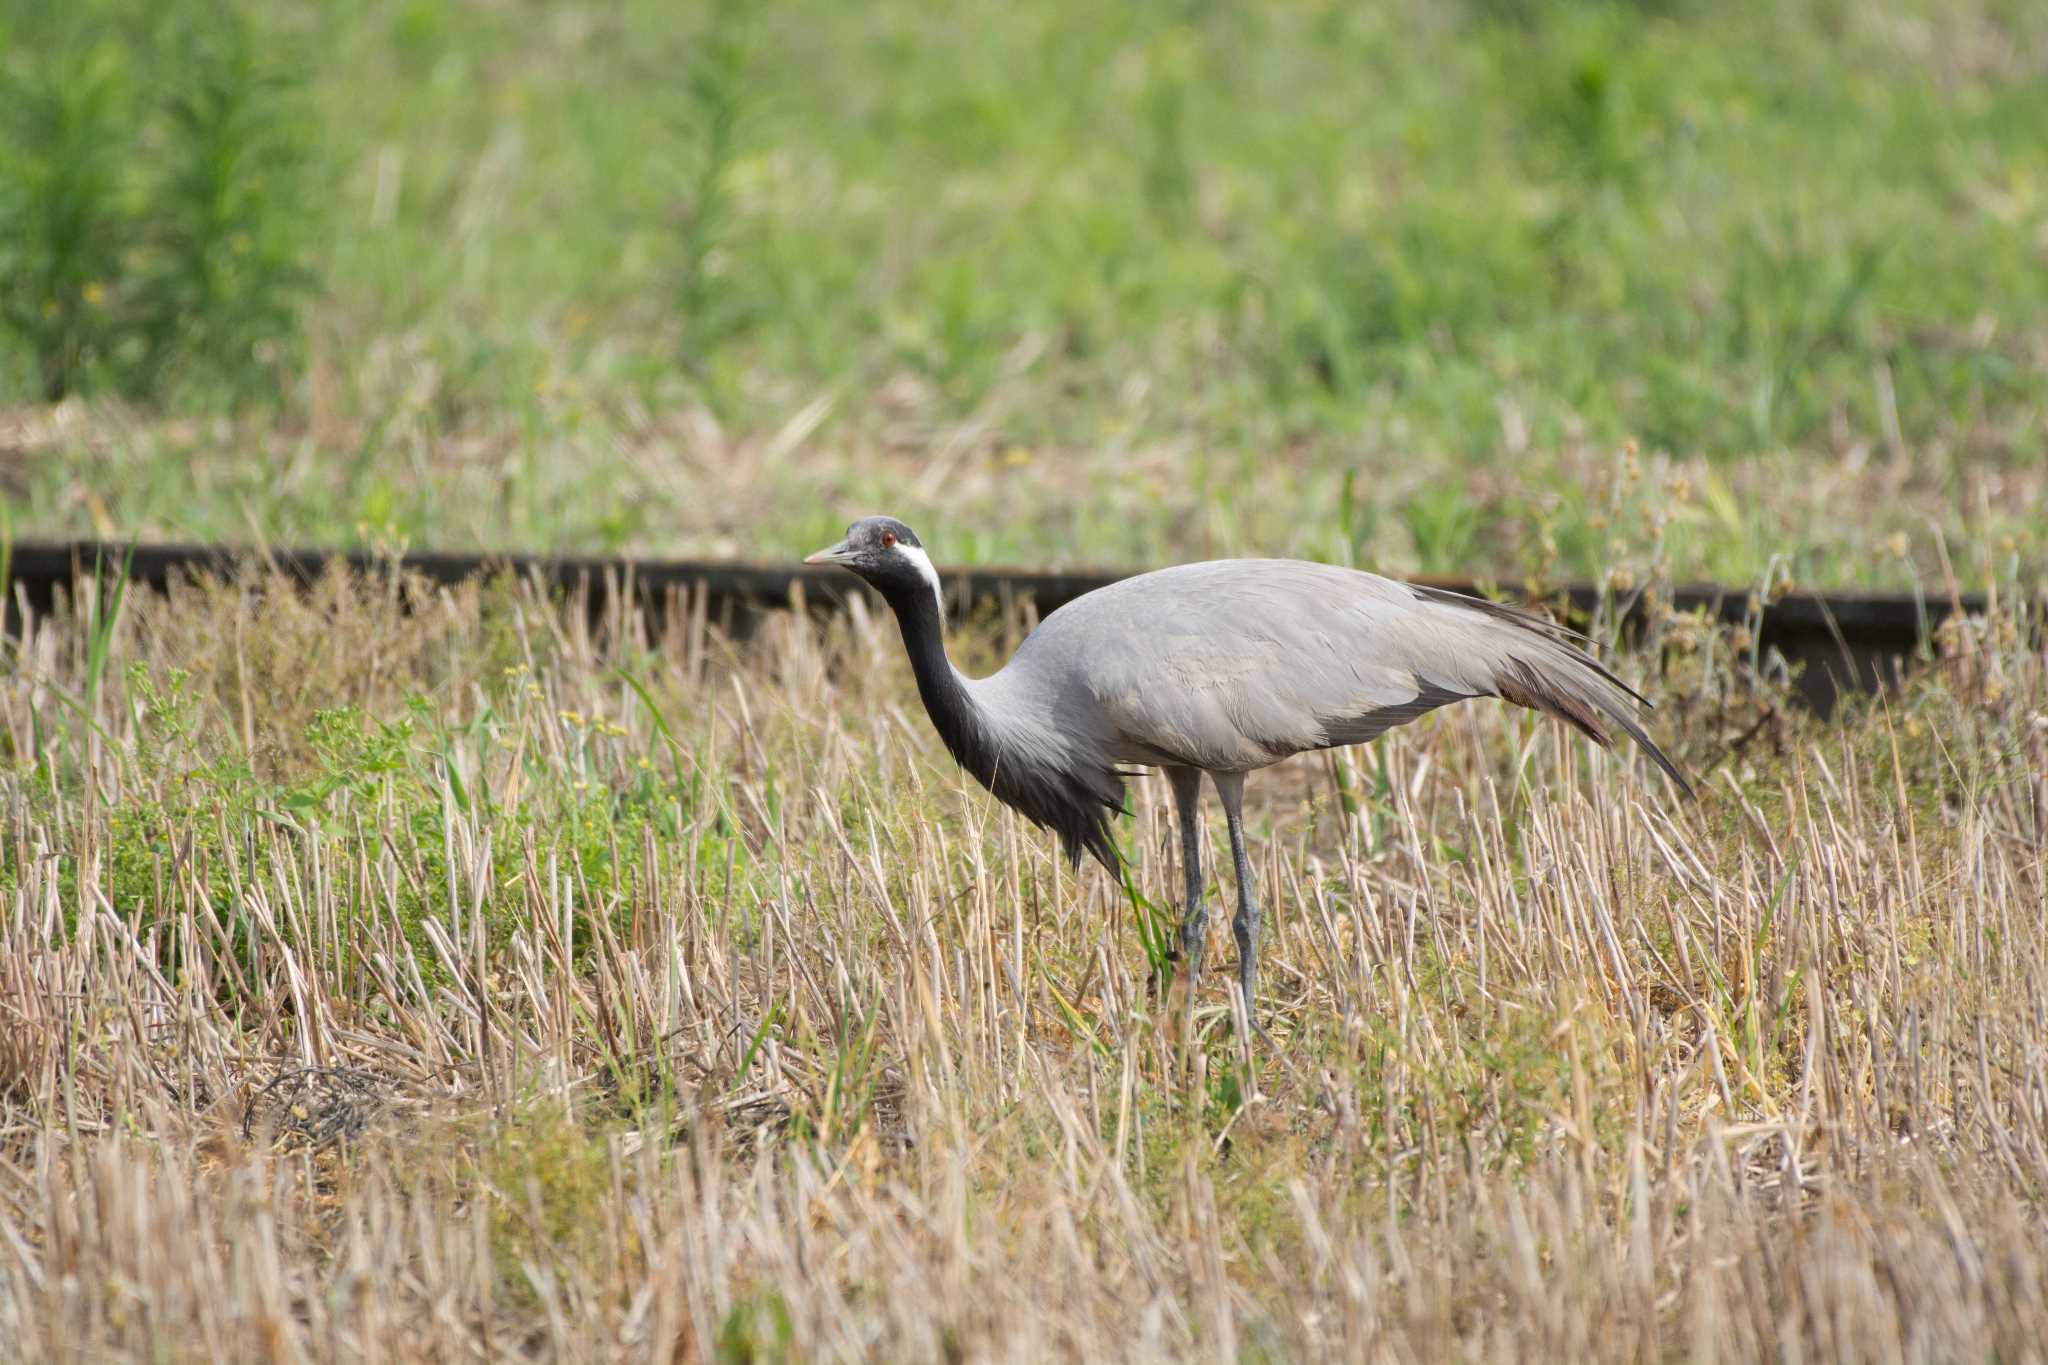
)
(1388, 284)
(151, 227)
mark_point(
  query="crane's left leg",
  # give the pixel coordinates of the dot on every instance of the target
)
(1230, 786)
(1194, 926)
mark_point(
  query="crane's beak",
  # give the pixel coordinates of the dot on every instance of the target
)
(837, 554)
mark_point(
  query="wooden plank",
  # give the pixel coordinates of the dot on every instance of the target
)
(1844, 638)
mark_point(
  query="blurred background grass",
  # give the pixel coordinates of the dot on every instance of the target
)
(1391, 283)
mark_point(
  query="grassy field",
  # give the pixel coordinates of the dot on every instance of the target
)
(684, 1003)
(445, 974)
(1387, 284)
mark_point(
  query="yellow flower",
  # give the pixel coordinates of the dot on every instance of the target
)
(94, 293)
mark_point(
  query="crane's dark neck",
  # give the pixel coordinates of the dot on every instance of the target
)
(954, 714)
(1074, 799)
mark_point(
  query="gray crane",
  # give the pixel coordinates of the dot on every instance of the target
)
(1219, 668)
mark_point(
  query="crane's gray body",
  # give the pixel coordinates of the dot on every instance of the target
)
(1224, 668)
(1234, 665)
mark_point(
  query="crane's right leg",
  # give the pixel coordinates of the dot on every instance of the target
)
(1230, 787)
(1194, 928)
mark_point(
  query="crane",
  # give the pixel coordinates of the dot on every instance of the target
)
(1222, 667)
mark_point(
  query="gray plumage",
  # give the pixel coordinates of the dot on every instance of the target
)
(1222, 667)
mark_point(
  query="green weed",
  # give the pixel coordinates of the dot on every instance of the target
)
(152, 232)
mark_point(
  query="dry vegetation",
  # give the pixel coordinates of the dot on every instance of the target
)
(677, 1001)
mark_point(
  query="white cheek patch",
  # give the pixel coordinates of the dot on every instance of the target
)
(916, 555)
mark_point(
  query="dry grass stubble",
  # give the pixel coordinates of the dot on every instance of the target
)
(706, 1015)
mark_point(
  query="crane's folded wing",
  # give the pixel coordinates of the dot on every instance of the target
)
(1236, 664)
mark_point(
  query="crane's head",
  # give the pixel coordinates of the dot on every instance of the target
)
(887, 554)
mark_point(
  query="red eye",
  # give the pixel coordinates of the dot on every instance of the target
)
(888, 539)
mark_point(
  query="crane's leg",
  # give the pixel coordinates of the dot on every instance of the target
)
(1194, 928)
(1230, 786)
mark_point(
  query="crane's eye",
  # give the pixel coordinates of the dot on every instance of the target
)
(888, 539)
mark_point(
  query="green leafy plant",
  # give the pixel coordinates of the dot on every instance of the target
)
(63, 222)
(222, 272)
(151, 225)
(715, 85)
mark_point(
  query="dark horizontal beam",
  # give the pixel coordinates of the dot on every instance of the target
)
(1844, 637)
